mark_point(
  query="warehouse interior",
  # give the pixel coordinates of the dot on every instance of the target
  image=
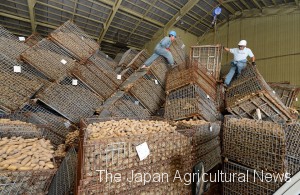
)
(78, 115)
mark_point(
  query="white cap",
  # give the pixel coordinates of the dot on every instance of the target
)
(243, 43)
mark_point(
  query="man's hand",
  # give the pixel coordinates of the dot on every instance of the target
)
(253, 63)
(168, 49)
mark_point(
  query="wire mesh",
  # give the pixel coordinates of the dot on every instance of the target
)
(180, 78)
(254, 182)
(260, 145)
(9, 128)
(119, 153)
(292, 132)
(25, 182)
(10, 44)
(127, 57)
(149, 92)
(270, 110)
(64, 179)
(211, 159)
(207, 58)
(220, 99)
(16, 88)
(49, 59)
(71, 101)
(70, 37)
(111, 62)
(286, 92)
(122, 104)
(190, 101)
(95, 79)
(159, 69)
(293, 165)
(138, 60)
(178, 51)
(33, 39)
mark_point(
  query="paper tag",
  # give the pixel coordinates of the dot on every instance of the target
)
(21, 38)
(156, 82)
(258, 113)
(143, 151)
(274, 92)
(207, 96)
(182, 46)
(63, 61)
(136, 102)
(17, 68)
(74, 82)
(82, 38)
(67, 124)
(106, 56)
(296, 99)
(119, 77)
(210, 128)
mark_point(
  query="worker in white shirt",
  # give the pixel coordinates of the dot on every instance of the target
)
(239, 61)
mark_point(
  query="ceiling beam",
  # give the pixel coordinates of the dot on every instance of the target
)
(297, 3)
(129, 11)
(74, 9)
(257, 4)
(226, 6)
(31, 4)
(113, 12)
(245, 4)
(184, 10)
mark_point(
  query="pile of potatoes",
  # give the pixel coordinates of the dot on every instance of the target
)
(21, 154)
(126, 127)
(191, 122)
(60, 151)
(72, 138)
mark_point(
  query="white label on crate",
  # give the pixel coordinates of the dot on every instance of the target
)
(182, 46)
(21, 38)
(274, 92)
(296, 99)
(17, 68)
(156, 82)
(119, 77)
(258, 113)
(106, 56)
(136, 102)
(210, 128)
(207, 96)
(74, 82)
(67, 124)
(143, 151)
(82, 38)
(63, 61)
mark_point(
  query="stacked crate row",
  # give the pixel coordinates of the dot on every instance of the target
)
(192, 93)
(257, 140)
(111, 146)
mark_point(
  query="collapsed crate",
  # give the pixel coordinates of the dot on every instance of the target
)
(115, 149)
(238, 179)
(146, 88)
(178, 51)
(159, 69)
(95, 79)
(10, 45)
(17, 87)
(190, 101)
(260, 145)
(122, 104)
(287, 93)
(204, 136)
(33, 39)
(250, 92)
(207, 58)
(49, 59)
(20, 180)
(64, 179)
(70, 98)
(177, 79)
(71, 38)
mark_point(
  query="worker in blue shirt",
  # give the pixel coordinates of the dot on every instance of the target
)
(239, 61)
(162, 49)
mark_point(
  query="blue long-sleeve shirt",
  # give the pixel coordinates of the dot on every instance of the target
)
(164, 43)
